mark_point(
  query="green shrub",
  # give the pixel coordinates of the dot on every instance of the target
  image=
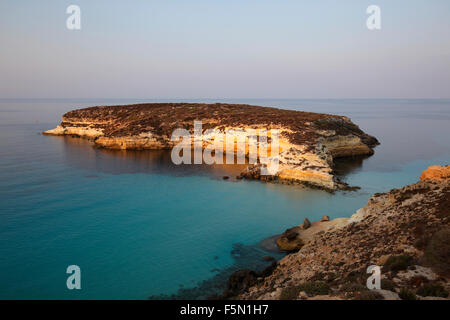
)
(290, 293)
(315, 288)
(356, 276)
(331, 276)
(432, 290)
(437, 253)
(387, 284)
(406, 294)
(397, 263)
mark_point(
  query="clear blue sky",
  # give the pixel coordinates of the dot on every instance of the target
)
(225, 49)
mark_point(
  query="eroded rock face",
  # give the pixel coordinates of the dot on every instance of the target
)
(404, 231)
(308, 142)
(436, 173)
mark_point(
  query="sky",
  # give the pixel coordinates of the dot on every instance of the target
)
(225, 49)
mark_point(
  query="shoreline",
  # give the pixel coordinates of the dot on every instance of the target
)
(329, 260)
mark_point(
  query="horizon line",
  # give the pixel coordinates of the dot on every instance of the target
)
(206, 98)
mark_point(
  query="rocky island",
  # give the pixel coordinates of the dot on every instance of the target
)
(406, 232)
(308, 142)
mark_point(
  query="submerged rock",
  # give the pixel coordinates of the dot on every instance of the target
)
(241, 280)
(268, 258)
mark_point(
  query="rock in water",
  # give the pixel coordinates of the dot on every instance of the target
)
(325, 218)
(241, 280)
(290, 240)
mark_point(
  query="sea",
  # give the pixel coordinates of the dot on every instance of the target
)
(140, 227)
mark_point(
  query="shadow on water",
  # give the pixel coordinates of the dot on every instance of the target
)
(82, 154)
(346, 166)
(252, 257)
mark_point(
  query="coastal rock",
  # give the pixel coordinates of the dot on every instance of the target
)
(325, 218)
(418, 272)
(308, 142)
(387, 295)
(306, 223)
(302, 295)
(293, 239)
(241, 280)
(383, 259)
(436, 173)
(406, 230)
(290, 240)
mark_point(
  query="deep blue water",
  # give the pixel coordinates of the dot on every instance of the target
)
(139, 226)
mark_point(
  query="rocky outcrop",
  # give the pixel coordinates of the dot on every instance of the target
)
(405, 231)
(308, 142)
(293, 239)
(306, 223)
(436, 173)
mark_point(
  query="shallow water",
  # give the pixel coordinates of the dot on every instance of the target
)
(138, 226)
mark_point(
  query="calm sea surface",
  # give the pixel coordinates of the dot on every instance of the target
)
(139, 226)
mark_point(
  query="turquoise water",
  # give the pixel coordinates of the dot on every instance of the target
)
(139, 226)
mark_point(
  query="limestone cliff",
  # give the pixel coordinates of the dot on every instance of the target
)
(308, 142)
(405, 231)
